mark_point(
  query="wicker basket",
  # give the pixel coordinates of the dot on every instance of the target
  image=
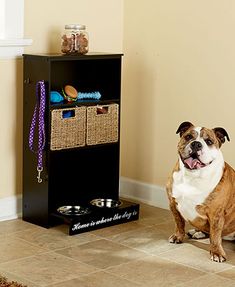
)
(102, 124)
(68, 132)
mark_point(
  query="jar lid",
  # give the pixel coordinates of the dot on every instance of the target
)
(75, 26)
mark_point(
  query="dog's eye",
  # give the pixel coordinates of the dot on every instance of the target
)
(209, 142)
(188, 137)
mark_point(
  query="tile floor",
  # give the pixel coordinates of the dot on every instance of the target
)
(126, 255)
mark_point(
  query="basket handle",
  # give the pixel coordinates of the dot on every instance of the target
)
(66, 114)
(102, 110)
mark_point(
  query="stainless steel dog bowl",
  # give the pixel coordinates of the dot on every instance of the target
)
(105, 203)
(73, 210)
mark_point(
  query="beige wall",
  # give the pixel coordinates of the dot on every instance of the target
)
(11, 127)
(44, 22)
(179, 65)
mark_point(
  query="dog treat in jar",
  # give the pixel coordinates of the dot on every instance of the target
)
(75, 39)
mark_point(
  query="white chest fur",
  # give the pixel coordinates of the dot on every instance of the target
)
(191, 188)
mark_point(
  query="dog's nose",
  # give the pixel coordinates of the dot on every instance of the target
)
(196, 146)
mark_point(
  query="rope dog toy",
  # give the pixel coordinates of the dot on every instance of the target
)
(91, 95)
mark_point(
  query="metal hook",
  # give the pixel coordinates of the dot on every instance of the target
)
(39, 169)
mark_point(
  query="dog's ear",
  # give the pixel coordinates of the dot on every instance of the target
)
(183, 128)
(221, 134)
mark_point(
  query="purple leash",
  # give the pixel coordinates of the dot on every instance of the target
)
(38, 119)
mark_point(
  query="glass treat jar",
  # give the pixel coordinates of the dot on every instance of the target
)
(75, 39)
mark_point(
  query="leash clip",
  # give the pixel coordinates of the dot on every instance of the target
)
(39, 169)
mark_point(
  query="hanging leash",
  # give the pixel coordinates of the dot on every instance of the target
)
(38, 120)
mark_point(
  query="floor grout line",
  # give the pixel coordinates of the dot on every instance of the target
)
(111, 238)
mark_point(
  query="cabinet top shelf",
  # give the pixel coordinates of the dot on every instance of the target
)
(64, 57)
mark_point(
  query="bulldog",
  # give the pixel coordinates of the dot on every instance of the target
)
(201, 188)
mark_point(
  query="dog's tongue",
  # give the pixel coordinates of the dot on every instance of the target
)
(193, 163)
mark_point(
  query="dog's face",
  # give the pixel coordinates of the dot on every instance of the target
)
(198, 146)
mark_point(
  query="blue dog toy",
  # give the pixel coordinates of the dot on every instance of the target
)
(56, 97)
(91, 95)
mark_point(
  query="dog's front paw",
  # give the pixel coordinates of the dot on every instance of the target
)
(218, 256)
(176, 238)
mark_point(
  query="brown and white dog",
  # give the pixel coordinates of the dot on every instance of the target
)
(201, 188)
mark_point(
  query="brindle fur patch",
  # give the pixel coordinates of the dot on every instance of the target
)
(189, 136)
(209, 134)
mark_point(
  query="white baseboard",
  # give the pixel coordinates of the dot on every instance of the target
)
(10, 207)
(144, 192)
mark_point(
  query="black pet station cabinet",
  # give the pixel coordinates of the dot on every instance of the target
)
(80, 177)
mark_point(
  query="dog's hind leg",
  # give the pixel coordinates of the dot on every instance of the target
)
(197, 234)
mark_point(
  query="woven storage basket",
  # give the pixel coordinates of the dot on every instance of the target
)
(68, 132)
(102, 127)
